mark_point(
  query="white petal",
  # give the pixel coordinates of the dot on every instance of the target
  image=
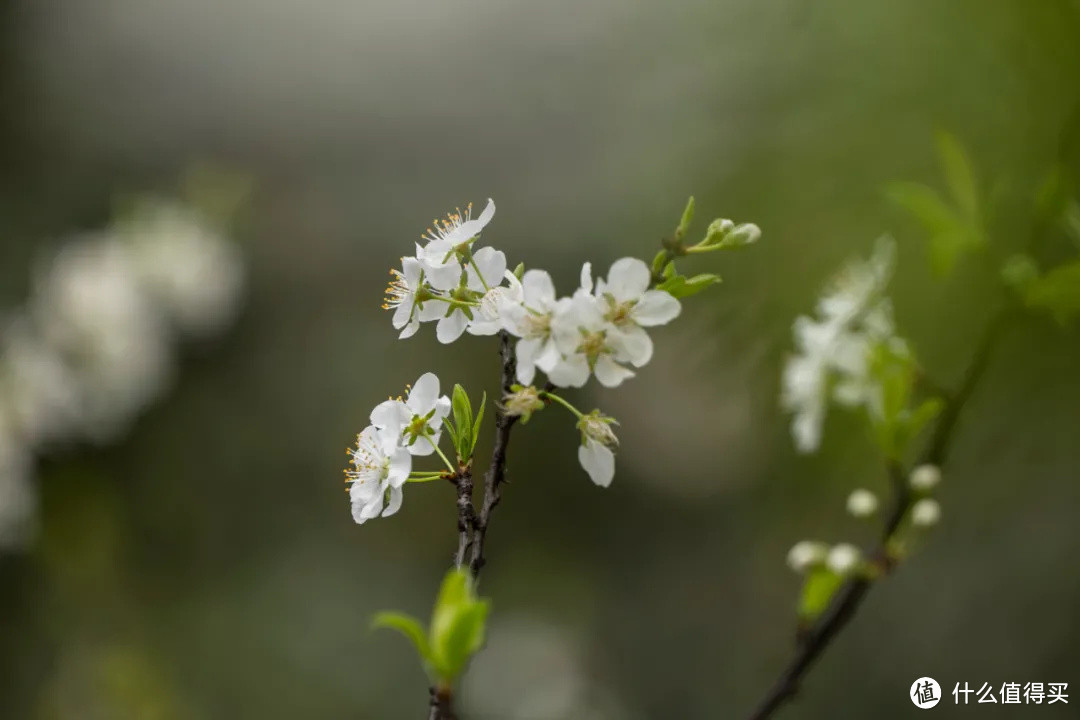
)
(628, 279)
(410, 271)
(424, 393)
(400, 467)
(492, 266)
(597, 460)
(656, 307)
(432, 310)
(472, 228)
(450, 327)
(632, 345)
(409, 330)
(444, 277)
(586, 278)
(526, 372)
(396, 496)
(402, 314)
(549, 356)
(390, 414)
(538, 289)
(442, 409)
(421, 447)
(610, 373)
(806, 430)
(572, 371)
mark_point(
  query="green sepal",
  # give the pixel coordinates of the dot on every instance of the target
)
(463, 421)
(687, 218)
(680, 286)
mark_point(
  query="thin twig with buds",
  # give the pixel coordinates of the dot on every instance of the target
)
(814, 640)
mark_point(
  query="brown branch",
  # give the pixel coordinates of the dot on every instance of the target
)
(814, 641)
(496, 473)
(463, 482)
(441, 704)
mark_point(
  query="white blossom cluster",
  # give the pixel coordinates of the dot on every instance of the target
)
(598, 330)
(94, 343)
(834, 349)
(382, 459)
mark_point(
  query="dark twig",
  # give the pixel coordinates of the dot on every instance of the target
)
(496, 473)
(814, 641)
(441, 705)
(463, 481)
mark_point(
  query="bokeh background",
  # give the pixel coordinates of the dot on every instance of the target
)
(206, 566)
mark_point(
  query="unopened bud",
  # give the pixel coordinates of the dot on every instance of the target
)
(843, 558)
(595, 426)
(926, 513)
(925, 478)
(805, 554)
(862, 503)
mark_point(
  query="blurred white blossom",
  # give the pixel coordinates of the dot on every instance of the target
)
(94, 343)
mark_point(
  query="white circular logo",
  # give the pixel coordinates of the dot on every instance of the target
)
(925, 693)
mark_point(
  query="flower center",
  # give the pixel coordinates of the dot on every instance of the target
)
(537, 325)
(619, 314)
(593, 344)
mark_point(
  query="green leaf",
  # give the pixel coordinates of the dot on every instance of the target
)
(460, 640)
(687, 218)
(479, 421)
(406, 625)
(817, 591)
(1019, 272)
(681, 286)
(463, 420)
(1057, 292)
(959, 176)
(454, 592)
(950, 234)
(451, 430)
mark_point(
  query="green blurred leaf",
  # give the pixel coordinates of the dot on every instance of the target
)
(817, 591)
(462, 637)
(680, 286)
(408, 626)
(959, 176)
(950, 234)
(454, 592)
(1057, 292)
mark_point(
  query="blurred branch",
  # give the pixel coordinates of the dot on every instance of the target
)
(496, 474)
(441, 708)
(814, 641)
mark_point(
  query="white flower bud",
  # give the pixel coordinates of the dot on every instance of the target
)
(862, 503)
(806, 553)
(843, 558)
(926, 512)
(925, 477)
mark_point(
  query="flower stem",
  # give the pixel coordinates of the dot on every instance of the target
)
(552, 396)
(472, 261)
(449, 465)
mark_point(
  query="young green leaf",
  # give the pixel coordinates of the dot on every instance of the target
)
(463, 420)
(817, 591)
(1056, 292)
(959, 176)
(951, 235)
(408, 626)
(687, 218)
(462, 637)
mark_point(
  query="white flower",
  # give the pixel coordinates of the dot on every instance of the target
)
(834, 350)
(594, 453)
(522, 402)
(925, 477)
(380, 468)
(43, 398)
(488, 267)
(926, 512)
(185, 264)
(587, 342)
(495, 305)
(417, 421)
(408, 296)
(843, 558)
(862, 503)
(627, 303)
(531, 320)
(90, 307)
(439, 255)
(805, 554)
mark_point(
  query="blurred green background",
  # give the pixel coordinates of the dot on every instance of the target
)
(207, 566)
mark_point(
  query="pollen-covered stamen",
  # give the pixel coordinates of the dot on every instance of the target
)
(618, 313)
(369, 462)
(397, 291)
(442, 229)
(593, 344)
